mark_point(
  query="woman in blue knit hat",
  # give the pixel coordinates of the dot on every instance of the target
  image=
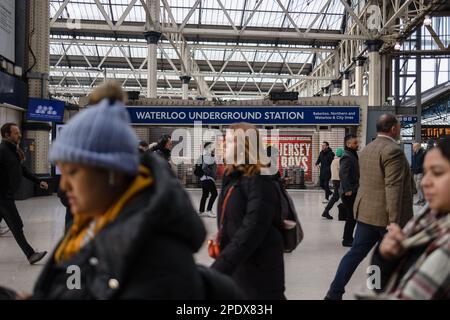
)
(134, 231)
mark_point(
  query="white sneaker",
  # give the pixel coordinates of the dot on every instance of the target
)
(3, 229)
(210, 214)
(324, 201)
(202, 214)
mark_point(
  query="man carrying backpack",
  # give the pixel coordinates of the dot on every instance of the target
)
(206, 170)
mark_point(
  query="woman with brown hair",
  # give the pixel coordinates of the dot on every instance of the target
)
(251, 245)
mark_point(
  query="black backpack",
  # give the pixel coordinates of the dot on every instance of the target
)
(289, 225)
(198, 170)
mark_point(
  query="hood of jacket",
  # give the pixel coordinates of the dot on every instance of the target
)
(161, 211)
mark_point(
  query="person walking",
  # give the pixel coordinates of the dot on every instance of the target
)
(164, 147)
(208, 180)
(384, 196)
(414, 262)
(324, 161)
(251, 244)
(417, 171)
(349, 175)
(335, 181)
(134, 231)
(11, 172)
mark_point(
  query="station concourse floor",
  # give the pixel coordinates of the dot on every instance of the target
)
(309, 269)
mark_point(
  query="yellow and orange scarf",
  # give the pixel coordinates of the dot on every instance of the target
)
(74, 239)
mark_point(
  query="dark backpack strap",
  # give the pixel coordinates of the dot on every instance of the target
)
(223, 208)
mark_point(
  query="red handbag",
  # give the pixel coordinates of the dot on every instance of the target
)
(214, 244)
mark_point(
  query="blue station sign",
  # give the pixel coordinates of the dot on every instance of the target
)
(274, 115)
(45, 110)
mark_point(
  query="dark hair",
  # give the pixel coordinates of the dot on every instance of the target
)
(349, 137)
(207, 144)
(163, 141)
(444, 147)
(6, 128)
(385, 122)
(143, 143)
(326, 142)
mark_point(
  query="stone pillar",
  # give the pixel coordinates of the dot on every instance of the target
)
(39, 133)
(38, 59)
(374, 72)
(39, 52)
(359, 70)
(152, 38)
(346, 84)
(185, 86)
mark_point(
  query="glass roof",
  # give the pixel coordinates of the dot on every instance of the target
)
(324, 15)
(251, 55)
(209, 12)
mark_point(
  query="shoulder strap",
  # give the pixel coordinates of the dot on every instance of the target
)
(224, 206)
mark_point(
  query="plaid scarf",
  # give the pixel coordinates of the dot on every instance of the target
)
(429, 277)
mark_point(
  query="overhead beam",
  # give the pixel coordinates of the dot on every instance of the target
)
(356, 19)
(137, 30)
(59, 12)
(412, 54)
(202, 74)
(397, 14)
(142, 44)
(436, 38)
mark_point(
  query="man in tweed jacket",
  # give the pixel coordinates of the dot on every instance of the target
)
(384, 196)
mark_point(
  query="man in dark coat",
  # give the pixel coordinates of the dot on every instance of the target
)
(251, 243)
(324, 161)
(349, 184)
(11, 172)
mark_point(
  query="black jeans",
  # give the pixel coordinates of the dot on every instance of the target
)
(208, 188)
(325, 185)
(8, 211)
(335, 197)
(350, 222)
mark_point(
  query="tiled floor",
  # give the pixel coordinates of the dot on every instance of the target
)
(309, 269)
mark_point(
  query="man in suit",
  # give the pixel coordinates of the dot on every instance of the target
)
(384, 196)
(11, 172)
(349, 176)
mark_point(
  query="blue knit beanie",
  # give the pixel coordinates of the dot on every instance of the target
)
(100, 136)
